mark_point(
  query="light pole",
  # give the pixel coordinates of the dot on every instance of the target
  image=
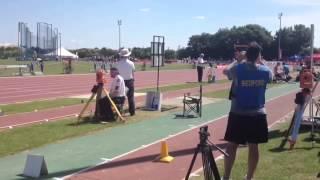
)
(60, 46)
(279, 38)
(119, 24)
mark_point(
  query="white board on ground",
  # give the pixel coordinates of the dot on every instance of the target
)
(35, 166)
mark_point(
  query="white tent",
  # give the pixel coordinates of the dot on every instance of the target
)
(64, 53)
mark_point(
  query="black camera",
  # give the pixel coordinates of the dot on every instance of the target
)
(204, 134)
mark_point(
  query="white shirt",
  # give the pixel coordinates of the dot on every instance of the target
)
(117, 87)
(126, 68)
(200, 60)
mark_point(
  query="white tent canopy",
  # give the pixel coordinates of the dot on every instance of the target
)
(64, 53)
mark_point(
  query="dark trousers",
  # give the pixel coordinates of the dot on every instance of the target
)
(130, 95)
(200, 73)
(119, 101)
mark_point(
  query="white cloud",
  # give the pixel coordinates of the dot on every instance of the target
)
(145, 9)
(298, 2)
(199, 17)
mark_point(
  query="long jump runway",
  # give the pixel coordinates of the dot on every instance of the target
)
(20, 89)
(128, 151)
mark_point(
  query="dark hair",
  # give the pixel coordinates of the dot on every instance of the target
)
(253, 51)
(113, 69)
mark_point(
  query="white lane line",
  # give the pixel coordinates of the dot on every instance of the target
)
(157, 141)
(105, 160)
(32, 122)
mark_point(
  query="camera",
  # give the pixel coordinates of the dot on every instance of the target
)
(204, 134)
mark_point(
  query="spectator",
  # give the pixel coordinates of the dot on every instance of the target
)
(247, 122)
(277, 71)
(211, 73)
(286, 70)
(41, 66)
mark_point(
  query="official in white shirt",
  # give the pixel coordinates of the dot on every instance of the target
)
(126, 69)
(117, 89)
(200, 67)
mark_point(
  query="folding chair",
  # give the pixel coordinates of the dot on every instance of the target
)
(192, 105)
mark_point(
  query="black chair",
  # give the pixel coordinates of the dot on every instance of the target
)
(191, 106)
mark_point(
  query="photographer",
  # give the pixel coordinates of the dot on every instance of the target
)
(247, 122)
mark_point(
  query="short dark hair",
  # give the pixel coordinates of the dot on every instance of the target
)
(114, 69)
(254, 49)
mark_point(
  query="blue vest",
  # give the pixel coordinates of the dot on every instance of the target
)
(251, 86)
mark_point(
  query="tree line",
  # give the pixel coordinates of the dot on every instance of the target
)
(220, 45)
(295, 40)
(6, 52)
(136, 52)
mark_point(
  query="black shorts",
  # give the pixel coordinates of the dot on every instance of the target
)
(242, 129)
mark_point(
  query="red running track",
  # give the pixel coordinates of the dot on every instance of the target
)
(54, 114)
(20, 89)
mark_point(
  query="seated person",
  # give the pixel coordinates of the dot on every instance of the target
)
(117, 89)
(277, 72)
(286, 69)
(211, 73)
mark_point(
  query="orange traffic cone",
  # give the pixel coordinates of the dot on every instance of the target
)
(164, 154)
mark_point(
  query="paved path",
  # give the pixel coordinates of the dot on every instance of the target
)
(71, 155)
(20, 89)
(58, 113)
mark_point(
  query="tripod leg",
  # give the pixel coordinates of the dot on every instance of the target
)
(213, 166)
(97, 113)
(113, 105)
(85, 107)
(287, 133)
(192, 162)
(206, 166)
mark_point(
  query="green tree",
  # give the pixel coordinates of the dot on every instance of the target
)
(107, 52)
(141, 53)
(294, 40)
(169, 54)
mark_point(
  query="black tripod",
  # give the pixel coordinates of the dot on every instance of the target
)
(210, 168)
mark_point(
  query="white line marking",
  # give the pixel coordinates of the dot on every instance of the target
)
(32, 122)
(105, 160)
(157, 141)
(55, 178)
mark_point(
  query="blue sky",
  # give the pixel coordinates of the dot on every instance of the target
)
(93, 23)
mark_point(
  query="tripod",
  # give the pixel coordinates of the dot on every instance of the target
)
(96, 91)
(209, 165)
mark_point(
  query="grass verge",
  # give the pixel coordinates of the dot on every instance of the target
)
(24, 138)
(179, 86)
(38, 105)
(79, 67)
(173, 66)
(297, 164)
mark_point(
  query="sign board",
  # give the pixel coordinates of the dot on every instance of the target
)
(157, 60)
(35, 166)
(153, 101)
